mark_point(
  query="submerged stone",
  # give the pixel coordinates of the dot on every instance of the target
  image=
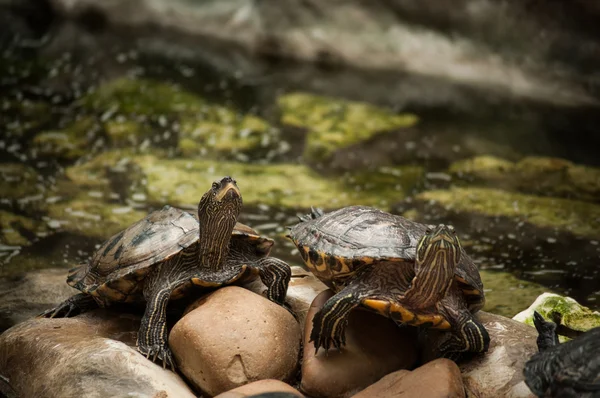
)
(183, 181)
(506, 294)
(538, 175)
(334, 123)
(577, 217)
(574, 315)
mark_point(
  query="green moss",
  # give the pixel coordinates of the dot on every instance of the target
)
(18, 181)
(539, 175)
(123, 133)
(574, 315)
(70, 143)
(93, 217)
(580, 218)
(14, 229)
(141, 97)
(507, 295)
(183, 181)
(334, 124)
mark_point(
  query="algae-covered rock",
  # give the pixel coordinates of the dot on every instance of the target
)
(183, 181)
(539, 175)
(507, 295)
(91, 216)
(69, 143)
(18, 181)
(577, 217)
(574, 315)
(335, 124)
(16, 230)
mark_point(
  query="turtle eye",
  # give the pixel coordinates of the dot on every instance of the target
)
(451, 229)
(215, 185)
(429, 229)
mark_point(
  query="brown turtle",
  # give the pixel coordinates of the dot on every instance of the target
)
(404, 270)
(165, 254)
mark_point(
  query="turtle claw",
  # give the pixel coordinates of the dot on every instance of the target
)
(157, 351)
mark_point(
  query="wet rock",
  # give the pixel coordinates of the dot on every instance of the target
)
(234, 337)
(573, 314)
(537, 175)
(19, 182)
(334, 124)
(30, 294)
(499, 372)
(126, 133)
(18, 230)
(375, 346)
(506, 294)
(69, 143)
(260, 387)
(89, 355)
(178, 181)
(92, 217)
(439, 378)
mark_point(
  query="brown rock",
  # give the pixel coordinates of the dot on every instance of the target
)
(375, 346)
(260, 387)
(90, 355)
(438, 378)
(499, 372)
(234, 337)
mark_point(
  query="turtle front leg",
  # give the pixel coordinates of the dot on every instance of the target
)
(152, 336)
(276, 275)
(468, 336)
(72, 306)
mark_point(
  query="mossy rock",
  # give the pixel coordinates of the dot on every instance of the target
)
(18, 181)
(335, 124)
(574, 315)
(506, 294)
(16, 230)
(577, 217)
(69, 143)
(538, 175)
(92, 217)
(184, 181)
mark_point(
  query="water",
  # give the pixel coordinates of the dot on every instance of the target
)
(42, 89)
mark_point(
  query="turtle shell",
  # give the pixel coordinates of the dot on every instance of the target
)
(337, 244)
(116, 270)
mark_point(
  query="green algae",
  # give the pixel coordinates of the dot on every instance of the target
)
(69, 143)
(15, 230)
(577, 217)
(574, 315)
(334, 123)
(18, 181)
(538, 175)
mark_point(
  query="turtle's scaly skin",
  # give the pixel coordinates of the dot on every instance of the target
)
(392, 266)
(164, 255)
(568, 370)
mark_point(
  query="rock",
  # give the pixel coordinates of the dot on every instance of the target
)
(91, 355)
(18, 230)
(70, 143)
(574, 315)
(19, 182)
(506, 294)
(234, 337)
(334, 124)
(375, 346)
(260, 387)
(499, 372)
(439, 378)
(178, 181)
(30, 294)
(537, 175)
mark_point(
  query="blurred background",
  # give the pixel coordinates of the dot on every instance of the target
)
(479, 113)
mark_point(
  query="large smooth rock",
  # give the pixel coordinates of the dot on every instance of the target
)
(91, 355)
(437, 379)
(30, 294)
(499, 372)
(375, 346)
(233, 337)
(261, 387)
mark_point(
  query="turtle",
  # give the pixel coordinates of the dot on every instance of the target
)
(415, 274)
(165, 254)
(571, 369)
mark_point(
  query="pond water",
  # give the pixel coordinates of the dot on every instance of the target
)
(95, 137)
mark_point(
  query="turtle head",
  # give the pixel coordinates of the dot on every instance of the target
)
(218, 211)
(437, 256)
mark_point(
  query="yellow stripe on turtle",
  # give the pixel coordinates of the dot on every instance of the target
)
(382, 307)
